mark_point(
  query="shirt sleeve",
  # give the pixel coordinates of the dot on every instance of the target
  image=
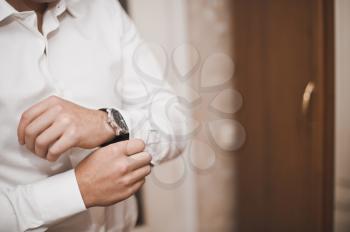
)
(35, 206)
(150, 107)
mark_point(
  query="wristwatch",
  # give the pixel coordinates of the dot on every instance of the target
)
(118, 124)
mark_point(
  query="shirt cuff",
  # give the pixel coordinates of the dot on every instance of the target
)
(58, 197)
(140, 128)
(137, 122)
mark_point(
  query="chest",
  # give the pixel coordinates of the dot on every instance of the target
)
(80, 62)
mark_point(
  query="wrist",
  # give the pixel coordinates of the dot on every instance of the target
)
(83, 188)
(107, 132)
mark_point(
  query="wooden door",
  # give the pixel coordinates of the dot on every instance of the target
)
(285, 176)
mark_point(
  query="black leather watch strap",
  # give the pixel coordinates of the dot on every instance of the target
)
(116, 139)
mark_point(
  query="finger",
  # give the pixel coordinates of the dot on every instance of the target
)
(29, 115)
(138, 174)
(130, 147)
(136, 187)
(135, 146)
(37, 126)
(63, 144)
(139, 160)
(47, 138)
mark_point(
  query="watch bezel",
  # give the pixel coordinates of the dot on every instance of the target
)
(116, 120)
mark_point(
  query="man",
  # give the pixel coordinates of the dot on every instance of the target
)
(73, 86)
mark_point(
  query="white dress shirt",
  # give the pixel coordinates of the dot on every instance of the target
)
(89, 53)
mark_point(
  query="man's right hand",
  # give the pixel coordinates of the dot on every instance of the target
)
(113, 173)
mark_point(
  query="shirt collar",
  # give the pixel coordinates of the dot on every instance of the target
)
(72, 7)
(5, 10)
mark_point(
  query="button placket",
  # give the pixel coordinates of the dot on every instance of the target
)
(44, 66)
(50, 24)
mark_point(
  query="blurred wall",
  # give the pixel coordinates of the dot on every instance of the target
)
(169, 193)
(342, 142)
(193, 41)
(210, 30)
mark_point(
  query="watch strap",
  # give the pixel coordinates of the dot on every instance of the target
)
(116, 139)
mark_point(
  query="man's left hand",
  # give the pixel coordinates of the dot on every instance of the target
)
(54, 125)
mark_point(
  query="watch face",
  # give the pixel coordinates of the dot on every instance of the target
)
(118, 118)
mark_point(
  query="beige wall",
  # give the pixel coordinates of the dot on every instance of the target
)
(342, 142)
(210, 30)
(201, 29)
(169, 192)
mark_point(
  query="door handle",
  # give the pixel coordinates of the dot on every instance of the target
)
(309, 89)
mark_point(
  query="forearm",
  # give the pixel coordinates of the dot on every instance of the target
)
(165, 136)
(35, 206)
(8, 220)
(149, 105)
